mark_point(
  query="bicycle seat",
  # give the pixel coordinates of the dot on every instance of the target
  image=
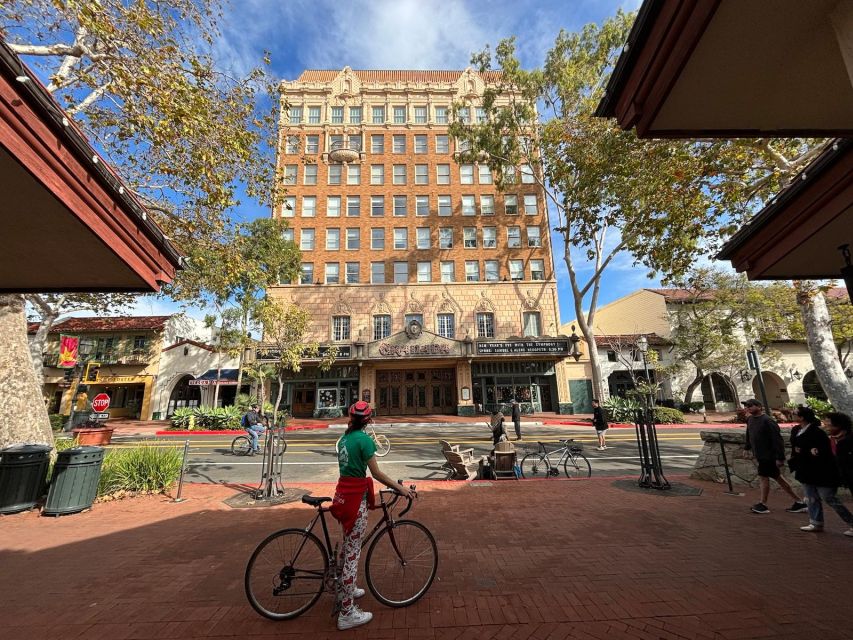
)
(315, 501)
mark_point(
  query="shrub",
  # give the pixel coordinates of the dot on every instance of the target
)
(666, 415)
(61, 444)
(58, 421)
(181, 417)
(621, 409)
(691, 407)
(820, 407)
(206, 418)
(146, 468)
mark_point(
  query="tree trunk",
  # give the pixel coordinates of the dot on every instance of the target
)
(37, 345)
(824, 354)
(23, 414)
(688, 393)
(278, 399)
(244, 321)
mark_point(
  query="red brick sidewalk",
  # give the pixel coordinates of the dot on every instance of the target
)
(530, 559)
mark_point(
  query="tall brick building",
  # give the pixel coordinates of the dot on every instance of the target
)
(437, 289)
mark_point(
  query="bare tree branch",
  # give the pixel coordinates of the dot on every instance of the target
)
(94, 96)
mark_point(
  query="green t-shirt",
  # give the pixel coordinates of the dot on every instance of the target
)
(354, 450)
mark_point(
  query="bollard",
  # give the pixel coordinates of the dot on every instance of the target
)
(178, 497)
(731, 491)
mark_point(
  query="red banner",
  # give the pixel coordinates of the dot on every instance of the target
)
(68, 346)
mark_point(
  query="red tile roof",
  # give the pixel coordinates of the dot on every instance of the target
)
(686, 295)
(121, 323)
(378, 75)
(32, 327)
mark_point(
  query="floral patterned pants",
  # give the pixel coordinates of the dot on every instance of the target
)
(349, 559)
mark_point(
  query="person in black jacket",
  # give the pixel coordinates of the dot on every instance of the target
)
(600, 424)
(841, 441)
(516, 418)
(815, 468)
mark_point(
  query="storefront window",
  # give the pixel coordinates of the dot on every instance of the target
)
(328, 398)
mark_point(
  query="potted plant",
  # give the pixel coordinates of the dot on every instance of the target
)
(93, 433)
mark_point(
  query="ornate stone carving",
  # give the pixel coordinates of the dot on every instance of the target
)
(342, 307)
(380, 307)
(485, 304)
(448, 304)
(413, 305)
(530, 303)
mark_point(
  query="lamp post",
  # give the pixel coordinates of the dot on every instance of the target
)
(574, 350)
(755, 364)
(651, 474)
(643, 347)
(84, 350)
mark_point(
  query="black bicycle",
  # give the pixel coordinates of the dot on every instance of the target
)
(289, 571)
(539, 465)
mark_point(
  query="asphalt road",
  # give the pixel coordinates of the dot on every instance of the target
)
(415, 453)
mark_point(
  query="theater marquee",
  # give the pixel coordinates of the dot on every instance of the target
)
(524, 347)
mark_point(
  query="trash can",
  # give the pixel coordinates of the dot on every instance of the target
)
(156, 415)
(23, 470)
(74, 484)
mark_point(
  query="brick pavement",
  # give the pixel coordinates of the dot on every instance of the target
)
(530, 559)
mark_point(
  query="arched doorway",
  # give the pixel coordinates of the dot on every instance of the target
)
(812, 387)
(183, 395)
(718, 390)
(777, 390)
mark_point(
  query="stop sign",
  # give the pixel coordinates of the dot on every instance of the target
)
(100, 402)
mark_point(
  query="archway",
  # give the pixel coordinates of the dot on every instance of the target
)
(717, 390)
(812, 387)
(777, 390)
(183, 395)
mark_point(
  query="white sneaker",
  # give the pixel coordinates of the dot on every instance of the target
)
(355, 618)
(358, 593)
(812, 528)
(601, 448)
(849, 532)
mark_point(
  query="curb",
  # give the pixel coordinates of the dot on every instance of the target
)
(235, 432)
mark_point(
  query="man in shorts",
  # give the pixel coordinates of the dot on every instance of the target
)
(764, 443)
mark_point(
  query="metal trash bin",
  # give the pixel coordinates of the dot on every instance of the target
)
(74, 484)
(23, 470)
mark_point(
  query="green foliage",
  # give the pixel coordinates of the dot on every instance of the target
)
(206, 419)
(820, 407)
(181, 417)
(691, 407)
(146, 468)
(667, 415)
(57, 421)
(621, 410)
(61, 444)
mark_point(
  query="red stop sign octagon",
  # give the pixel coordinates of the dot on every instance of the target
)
(101, 402)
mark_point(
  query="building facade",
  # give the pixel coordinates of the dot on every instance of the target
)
(436, 289)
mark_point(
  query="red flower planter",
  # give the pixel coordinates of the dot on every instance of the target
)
(96, 437)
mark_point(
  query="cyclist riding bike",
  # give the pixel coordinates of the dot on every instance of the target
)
(353, 495)
(254, 424)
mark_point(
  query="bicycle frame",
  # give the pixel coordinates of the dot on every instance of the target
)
(565, 454)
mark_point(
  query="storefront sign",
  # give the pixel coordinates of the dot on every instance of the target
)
(413, 350)
(343, 352)
(123, 379)
(526, 347)
(204, 382)
(418, 344)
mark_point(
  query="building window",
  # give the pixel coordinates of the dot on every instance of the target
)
(485, 325)
(377, 174)
(448, 271)
(487, 205)
(377, 143)
(377, 272)
(333, 206)
(537, 269)
(377, 206)
(295, 115)
(464, 114)
(516, 269)
(513, 237)
(463, 145)
(511, 205)
(398, 144)
(337, 115)
(381, 327)
(290, 174)
(445, 238)
(421, 174)
(355, 115)
(313, 115)
(469, 206)
(353, 206)
(335, 173)
(398, 174)
(309, 206)
(352, 272)
(401, 272)
(420, 144)
(401, 239)
(353, 238)
(445, 207)
(353, 174)
(333, 239)
(288, 206)
(533, 237)
(481, 115)
(442, 174)
(421, 205)
(400, 207)
(378, 115)
(531, 207)
(485, 174)
(527, 174)
(490, 237)
(336, 141)
(310, 174)
(442, 144)
(441, 115)
(472, 271)
(532, 324)
(424, 271)
(291, 144)
(422, 236)
(399, 115)
(466, 174)
(307, 273)
(287, 235)
(469, 237)
(312, 145)
(420, 116)
(377, 238)
(355, 142)
(306, 240)
(333, 273)
(611, 356)
(340, 328)
(493, 271)
(447, 325)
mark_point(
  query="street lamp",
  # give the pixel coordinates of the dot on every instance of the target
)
(643, 348)
(651, 474)
(85, 346)
(575, 351)
(755, 364)
(795, 374)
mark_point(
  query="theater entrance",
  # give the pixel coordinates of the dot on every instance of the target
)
(421, 392)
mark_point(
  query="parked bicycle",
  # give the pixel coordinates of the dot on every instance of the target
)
(289, 571)
(383, 444)
(538, 464)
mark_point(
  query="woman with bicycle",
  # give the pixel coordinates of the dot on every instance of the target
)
(353, 496)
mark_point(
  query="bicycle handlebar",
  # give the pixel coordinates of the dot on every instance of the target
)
(398, 495)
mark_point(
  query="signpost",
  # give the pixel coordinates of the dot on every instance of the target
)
(100, 403)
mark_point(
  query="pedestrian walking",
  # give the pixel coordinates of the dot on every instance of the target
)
(353, 495)
(516, 418)
(841, 443)
(496, 424)
(599, 421)
(815, 468)
(253, 424)
(765, 445)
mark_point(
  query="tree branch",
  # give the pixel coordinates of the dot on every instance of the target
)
(88, 100)
(59, 49)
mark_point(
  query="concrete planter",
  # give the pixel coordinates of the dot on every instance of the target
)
(95, 437)
(709, 464)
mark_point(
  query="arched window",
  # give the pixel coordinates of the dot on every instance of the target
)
(723, 391)
(812, 387)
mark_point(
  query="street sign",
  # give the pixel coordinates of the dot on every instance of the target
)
(752, 359)
(100, 403)
(99, 416)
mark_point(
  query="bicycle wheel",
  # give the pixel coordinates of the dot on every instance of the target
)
(534, 465)
(577, 466)
(383, 445)
(285, 574)
(401, 563)
(241, 446)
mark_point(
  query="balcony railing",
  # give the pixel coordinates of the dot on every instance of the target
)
(344, 151)
(133, 357)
